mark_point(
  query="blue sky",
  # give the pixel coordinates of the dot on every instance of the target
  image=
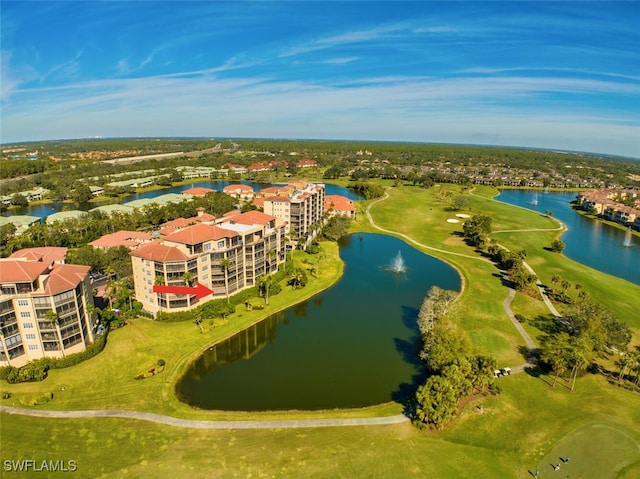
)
(562, 75)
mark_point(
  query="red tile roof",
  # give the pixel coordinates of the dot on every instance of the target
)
(198, 191)
(277, 199)
(159, 252)
(179, 223)
(45, 254)
(64, 277)
(129, 239)
(339, 203)
(237, 188)
(253, 218)
(20, 271)
(199, 234)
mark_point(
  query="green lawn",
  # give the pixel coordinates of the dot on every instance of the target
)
(522, 429)
(519, 431)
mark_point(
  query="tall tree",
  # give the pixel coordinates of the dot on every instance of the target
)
(225, 264)
(53, 317)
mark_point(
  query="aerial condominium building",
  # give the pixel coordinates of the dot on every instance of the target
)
(45, 306)
(170, 274)
(302, 210)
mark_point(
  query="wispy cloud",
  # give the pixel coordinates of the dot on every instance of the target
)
(347, 38)
(340, 61)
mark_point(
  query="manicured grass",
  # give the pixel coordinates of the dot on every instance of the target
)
(593, 450)
(517, 431)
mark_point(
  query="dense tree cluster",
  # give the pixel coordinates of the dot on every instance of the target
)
(368, 190)
(453, 370)
(587, 332)
(477, 229)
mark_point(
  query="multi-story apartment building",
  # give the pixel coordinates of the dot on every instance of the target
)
(301, 210)
(45, 306)
(225, 258)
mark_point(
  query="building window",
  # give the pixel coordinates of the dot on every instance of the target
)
(25, 314)
(207, 247)
(30, 336)
(33, 347)
(205, 267)
(220, 244)
(27, 325)
(23, 302)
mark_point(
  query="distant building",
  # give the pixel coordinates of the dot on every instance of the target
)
(302, 209)
(198, 192)
(241, 192)
(128, 239)
(33, 282)
(339, 205)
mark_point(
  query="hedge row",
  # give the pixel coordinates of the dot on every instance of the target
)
(37, 369)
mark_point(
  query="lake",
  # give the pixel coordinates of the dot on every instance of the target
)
(353, 345)
(42, 211)
(588, 241)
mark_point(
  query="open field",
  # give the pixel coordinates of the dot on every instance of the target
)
(519, 431)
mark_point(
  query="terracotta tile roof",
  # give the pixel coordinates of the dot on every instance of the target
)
(21, 271)
(237, 188)
(253, 218)
(130, 239)
(199, 234)
(258, 202)
(64, 277)
(339, 203)
(204, 217)
(45, 254)
(179, 223)
(198, 191)
(277, 199)
(159, 252)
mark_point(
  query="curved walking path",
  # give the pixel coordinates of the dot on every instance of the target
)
(203, 424)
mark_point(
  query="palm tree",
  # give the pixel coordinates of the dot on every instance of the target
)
(271, 254)
(188, 278)
(266, 284)
(52, 316)
(226, 264)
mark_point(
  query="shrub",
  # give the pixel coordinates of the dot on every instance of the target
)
(32, 400)
(6, 371)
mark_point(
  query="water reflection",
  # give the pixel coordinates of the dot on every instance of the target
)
(243, 345)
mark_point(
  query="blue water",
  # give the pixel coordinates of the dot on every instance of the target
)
(42, 211)
(588, 241)
(352, 345)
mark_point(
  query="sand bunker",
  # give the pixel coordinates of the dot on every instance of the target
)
(462, 215)
(453, 220)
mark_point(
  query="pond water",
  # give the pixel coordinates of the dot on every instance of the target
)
(42, 211)
(353, 345)
(588, 241)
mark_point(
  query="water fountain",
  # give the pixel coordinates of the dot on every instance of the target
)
(398, 265)
(627, 237)
(534, 201)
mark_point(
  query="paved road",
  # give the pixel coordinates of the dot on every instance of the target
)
(198, 424)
